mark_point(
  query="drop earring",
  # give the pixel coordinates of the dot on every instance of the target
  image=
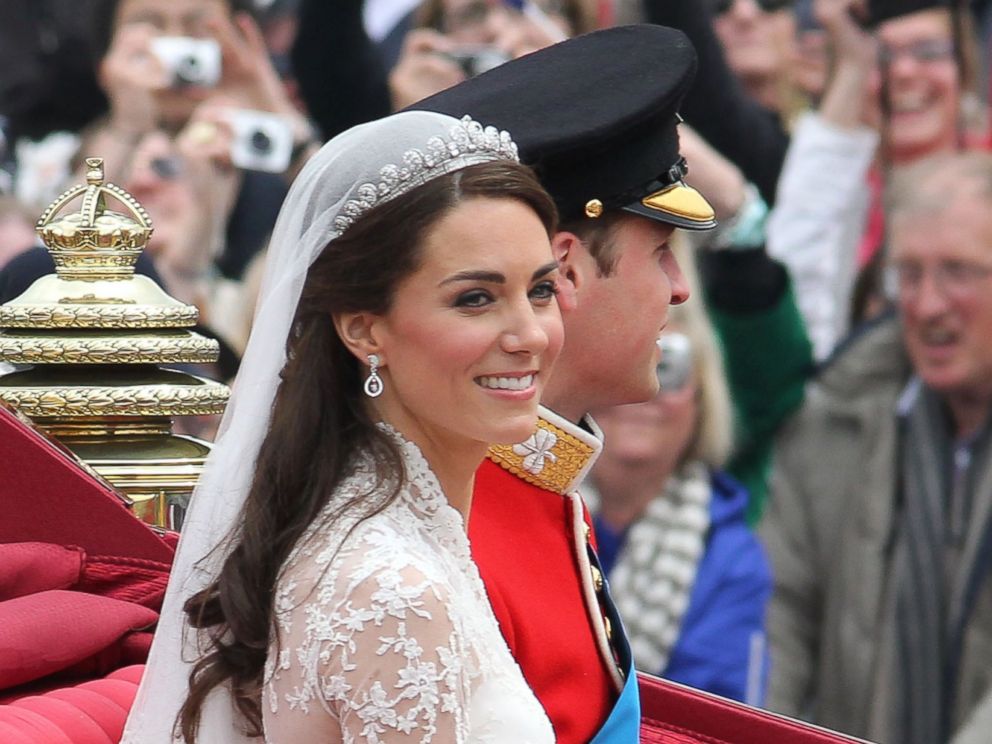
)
(373, 383)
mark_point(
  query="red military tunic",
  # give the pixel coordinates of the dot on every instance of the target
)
(529, 536)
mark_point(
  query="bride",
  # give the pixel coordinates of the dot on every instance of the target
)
(324, 588)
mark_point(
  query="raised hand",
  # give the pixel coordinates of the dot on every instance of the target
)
(423, 69)
(131, 75)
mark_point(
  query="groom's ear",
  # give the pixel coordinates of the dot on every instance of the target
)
(569, 251)
(359, 333)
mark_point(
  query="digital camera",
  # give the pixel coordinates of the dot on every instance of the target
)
(477, 60)
(262, 141)
(189, 61)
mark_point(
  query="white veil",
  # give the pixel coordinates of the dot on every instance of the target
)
(360, 168)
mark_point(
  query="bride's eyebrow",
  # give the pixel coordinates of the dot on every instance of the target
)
(475, 276)
(546, 269)
(494, 277)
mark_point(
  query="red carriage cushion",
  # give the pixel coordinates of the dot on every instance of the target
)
(47, 632)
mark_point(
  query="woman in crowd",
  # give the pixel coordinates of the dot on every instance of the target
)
(324, 589)
(452, 40)
(759, 39)
(688, 576)
(897, 93)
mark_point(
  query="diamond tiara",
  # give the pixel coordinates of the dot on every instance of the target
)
(468, 143)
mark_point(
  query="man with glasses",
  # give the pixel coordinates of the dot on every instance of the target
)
(880, 523)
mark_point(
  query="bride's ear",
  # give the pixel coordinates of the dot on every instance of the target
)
(357, 332)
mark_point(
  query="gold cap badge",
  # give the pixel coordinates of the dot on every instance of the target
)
(594, 208)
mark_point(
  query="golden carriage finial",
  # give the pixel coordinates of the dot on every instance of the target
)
(95, 243)
(101, 353)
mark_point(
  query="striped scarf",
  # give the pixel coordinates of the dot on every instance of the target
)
(652, 580)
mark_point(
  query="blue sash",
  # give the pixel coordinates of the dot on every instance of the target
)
(624, 722)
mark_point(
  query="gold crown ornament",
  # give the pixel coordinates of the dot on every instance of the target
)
(95, 242)
(88, 344)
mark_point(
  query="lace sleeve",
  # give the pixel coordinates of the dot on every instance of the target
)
(376, 651)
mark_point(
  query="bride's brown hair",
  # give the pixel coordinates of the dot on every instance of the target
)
(319, 421)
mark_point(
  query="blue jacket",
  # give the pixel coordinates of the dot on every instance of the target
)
(724, 624)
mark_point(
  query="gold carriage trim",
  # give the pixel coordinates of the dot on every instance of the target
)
(127, 317)
(137, 400)
(189, 348)
(553, 458)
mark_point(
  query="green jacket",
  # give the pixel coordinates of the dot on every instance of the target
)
(767, 354)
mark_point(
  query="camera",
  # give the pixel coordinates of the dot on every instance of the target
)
(477, 60)
(262, 141)
(189, 61)
(675, 367)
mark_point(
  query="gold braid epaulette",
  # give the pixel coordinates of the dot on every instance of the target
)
(551, 459)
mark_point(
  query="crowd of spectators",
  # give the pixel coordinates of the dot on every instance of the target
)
(803, 517)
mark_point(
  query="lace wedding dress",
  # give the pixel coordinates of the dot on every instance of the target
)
(385, 632)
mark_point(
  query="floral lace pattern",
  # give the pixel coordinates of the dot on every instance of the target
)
(385, 632)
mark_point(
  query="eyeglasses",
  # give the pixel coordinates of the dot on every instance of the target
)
(719, 7)
(953, 279)
(675, 368)
(924, 51)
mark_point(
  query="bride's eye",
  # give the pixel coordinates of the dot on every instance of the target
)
(473, 298)
(544, 291)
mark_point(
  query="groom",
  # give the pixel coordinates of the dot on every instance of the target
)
(596, 117)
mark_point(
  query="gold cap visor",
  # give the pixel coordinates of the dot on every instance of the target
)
(678, 205)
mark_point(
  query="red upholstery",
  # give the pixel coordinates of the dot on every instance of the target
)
(652, 735)
(117, 690)
(75, 723)
(31, 567)
(47, 632)
(90, 713)
(107, 714)
(129, 579)
(672, 710)
(80, 580)
(34, 725)
(129, 673)
(11, 734)
(47, 497)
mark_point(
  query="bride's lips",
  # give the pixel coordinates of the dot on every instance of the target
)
(517, 385)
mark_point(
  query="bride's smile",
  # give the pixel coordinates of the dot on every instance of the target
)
(468, 341)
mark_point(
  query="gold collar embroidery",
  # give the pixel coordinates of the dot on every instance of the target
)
(557, 456)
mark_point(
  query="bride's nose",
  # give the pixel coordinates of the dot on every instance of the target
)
(524, 331)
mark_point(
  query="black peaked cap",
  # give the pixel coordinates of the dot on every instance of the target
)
(596, 117)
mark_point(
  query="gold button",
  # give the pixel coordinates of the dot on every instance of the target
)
(594, 208)
(609, 627)
(597, 578)
(588, 531)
